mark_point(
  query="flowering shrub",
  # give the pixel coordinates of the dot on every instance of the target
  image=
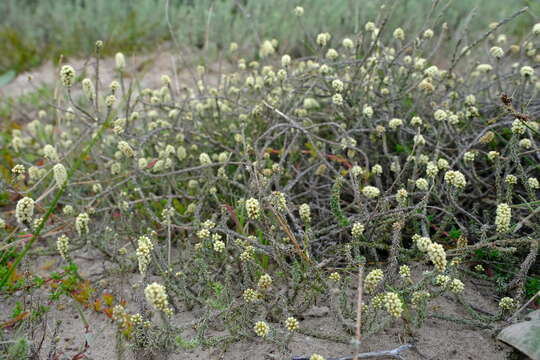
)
(252, 196)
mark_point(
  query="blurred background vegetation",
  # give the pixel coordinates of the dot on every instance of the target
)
(35, 31)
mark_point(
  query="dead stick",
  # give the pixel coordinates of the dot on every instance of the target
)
(515, 315)
(394, 354)
(359, 311)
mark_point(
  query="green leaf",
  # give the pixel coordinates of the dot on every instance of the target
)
(455, 233)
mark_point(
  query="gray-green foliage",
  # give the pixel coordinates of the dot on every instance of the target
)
(202, 162)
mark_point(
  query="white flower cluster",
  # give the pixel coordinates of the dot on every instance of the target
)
(525, 143)
(143, 252)
(335, 277)
(97, 188)
(110, 101)
(399, 34)
(126, 149)
(443, 164)
(88, 89)
(62, 245)
(251, 295)
(393, 304)
(370, 192)
(497, 52)
(247, 254)
(267, 48)
(305, 213)
(518, 127)
(503, 217)
(81, 223)
(119, 314)
(401, 197)
(261, 328)
(493, 155)
(367, 111)
(285, 60)
(19, 171)
(432, 169)
(60, 174)
(533, 183)
(422, 242)
(440, 114)
(24, 211)
(332, 54)
(536, 29)
(455, 178)
(167, 214)
(50, 152)
(510, 179)
(507, 303)
(291, 324)
(416, 121)
(395, 123)
(337, 99)
(377, 302)
(279, 201)
(253, 208)
(357, 230)
(479, 268)
(437, 255)
(298, 11)
(338, 85)
(356, 171)
(347, 43)
(469, 156)
(484, 68)
(323, 39)
(181, 153)
(204, 159)
(526, 71)
(456, 286)
(442, 280)
(348, 142)
(419, 139)
(67, 75)
(405, 272)
(218, 245)
(120, 61)
(265, 281)
(428, 34)
(156, 296)
(373, 279)
(68, 210)
(422, 184)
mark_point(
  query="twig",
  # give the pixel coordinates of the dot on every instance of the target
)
(359, 310)
(394, 354)
(518, 311)
(290, 235)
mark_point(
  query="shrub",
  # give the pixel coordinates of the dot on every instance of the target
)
(249, 193)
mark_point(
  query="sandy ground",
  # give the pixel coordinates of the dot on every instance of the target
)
(144, 69)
